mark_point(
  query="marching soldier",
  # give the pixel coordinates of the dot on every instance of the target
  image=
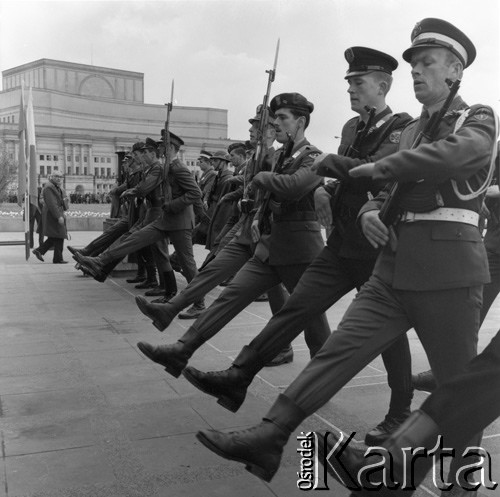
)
(175, 221)
(347, 260)
(289, 242)
(431, 279)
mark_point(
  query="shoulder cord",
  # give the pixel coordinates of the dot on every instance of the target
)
(473, 194)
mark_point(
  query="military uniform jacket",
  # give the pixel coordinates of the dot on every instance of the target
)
(381, 140)
(295, 236)
(206, 183)
(178, 211)
(437, 255)
(54, 205)
(149, 187)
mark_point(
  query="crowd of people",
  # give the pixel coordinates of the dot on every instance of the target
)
(405, 215)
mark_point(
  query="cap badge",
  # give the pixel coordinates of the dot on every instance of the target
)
(416, 30)
(349, 55)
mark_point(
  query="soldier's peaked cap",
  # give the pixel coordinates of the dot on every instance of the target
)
(205, 155)
(137, 146)
(363, 60)
(150, 143)
(294, 101)
(174, 139)
(436, 33)
(258, 115)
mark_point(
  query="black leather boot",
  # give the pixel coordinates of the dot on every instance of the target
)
(173, 357)
(424, 381)
(141, 273)
(93, 266)
(150, 281)
(161, 314)
(389, 425)
(260, 448)
(168, 290)
(345, 462)
(228, 386)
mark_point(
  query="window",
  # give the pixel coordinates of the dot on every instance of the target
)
(85, 158)
(69, 169)
(49, 170)
(85, 171)
(42, 157)
(56, 158)
(77, 170)
(42, 170)
(108, 171)
(102, 171)
(77, 158)
(68, 158)
(56, 168)
(108, 160)
(102, 159)
(48, 157)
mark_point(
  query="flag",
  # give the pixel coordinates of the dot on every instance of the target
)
(31, 153)
(21, 171)
(27, 174)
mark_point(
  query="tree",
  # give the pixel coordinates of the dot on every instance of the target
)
(8, 169)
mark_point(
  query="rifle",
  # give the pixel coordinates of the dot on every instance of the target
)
(247, 204)
(166, 144)
(260, 150)
(352, 151)
(264, 224)
(390, 210)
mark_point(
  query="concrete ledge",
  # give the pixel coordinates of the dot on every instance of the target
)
(73, 223)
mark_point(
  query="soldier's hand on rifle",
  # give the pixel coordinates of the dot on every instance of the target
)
(363, 170)
(255, 231)
(322, 207)
(317, 162)
(374, 229)
(127, 193)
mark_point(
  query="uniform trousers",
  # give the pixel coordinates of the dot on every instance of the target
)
(492, 289)
(108, 237)
(156, 253)
(226, 264)
(251, 281)
(470, 401)
(327, 279)
(446, 322)
(150, 234)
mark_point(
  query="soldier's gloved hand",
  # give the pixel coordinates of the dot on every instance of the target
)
(60, 220)
(375, 231)
(317, 163)
(255, 231)
(322, 207)
(363, 170)
(127, 193)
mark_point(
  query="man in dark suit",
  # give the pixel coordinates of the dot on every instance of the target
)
(290, 241)
(431, 279)
(176, 220)
(55, 202)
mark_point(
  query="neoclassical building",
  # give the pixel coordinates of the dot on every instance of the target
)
(86, 116)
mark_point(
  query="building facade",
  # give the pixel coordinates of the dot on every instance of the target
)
(87, 116)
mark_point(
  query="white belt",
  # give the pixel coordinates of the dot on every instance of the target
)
(452, 214)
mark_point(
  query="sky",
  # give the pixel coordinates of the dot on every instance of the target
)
(218, 51)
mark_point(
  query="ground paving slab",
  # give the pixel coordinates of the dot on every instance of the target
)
(84, 413)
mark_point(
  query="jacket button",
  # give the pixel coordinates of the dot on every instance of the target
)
(459, 233)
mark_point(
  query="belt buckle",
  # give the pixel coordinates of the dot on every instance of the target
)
(408, 217)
